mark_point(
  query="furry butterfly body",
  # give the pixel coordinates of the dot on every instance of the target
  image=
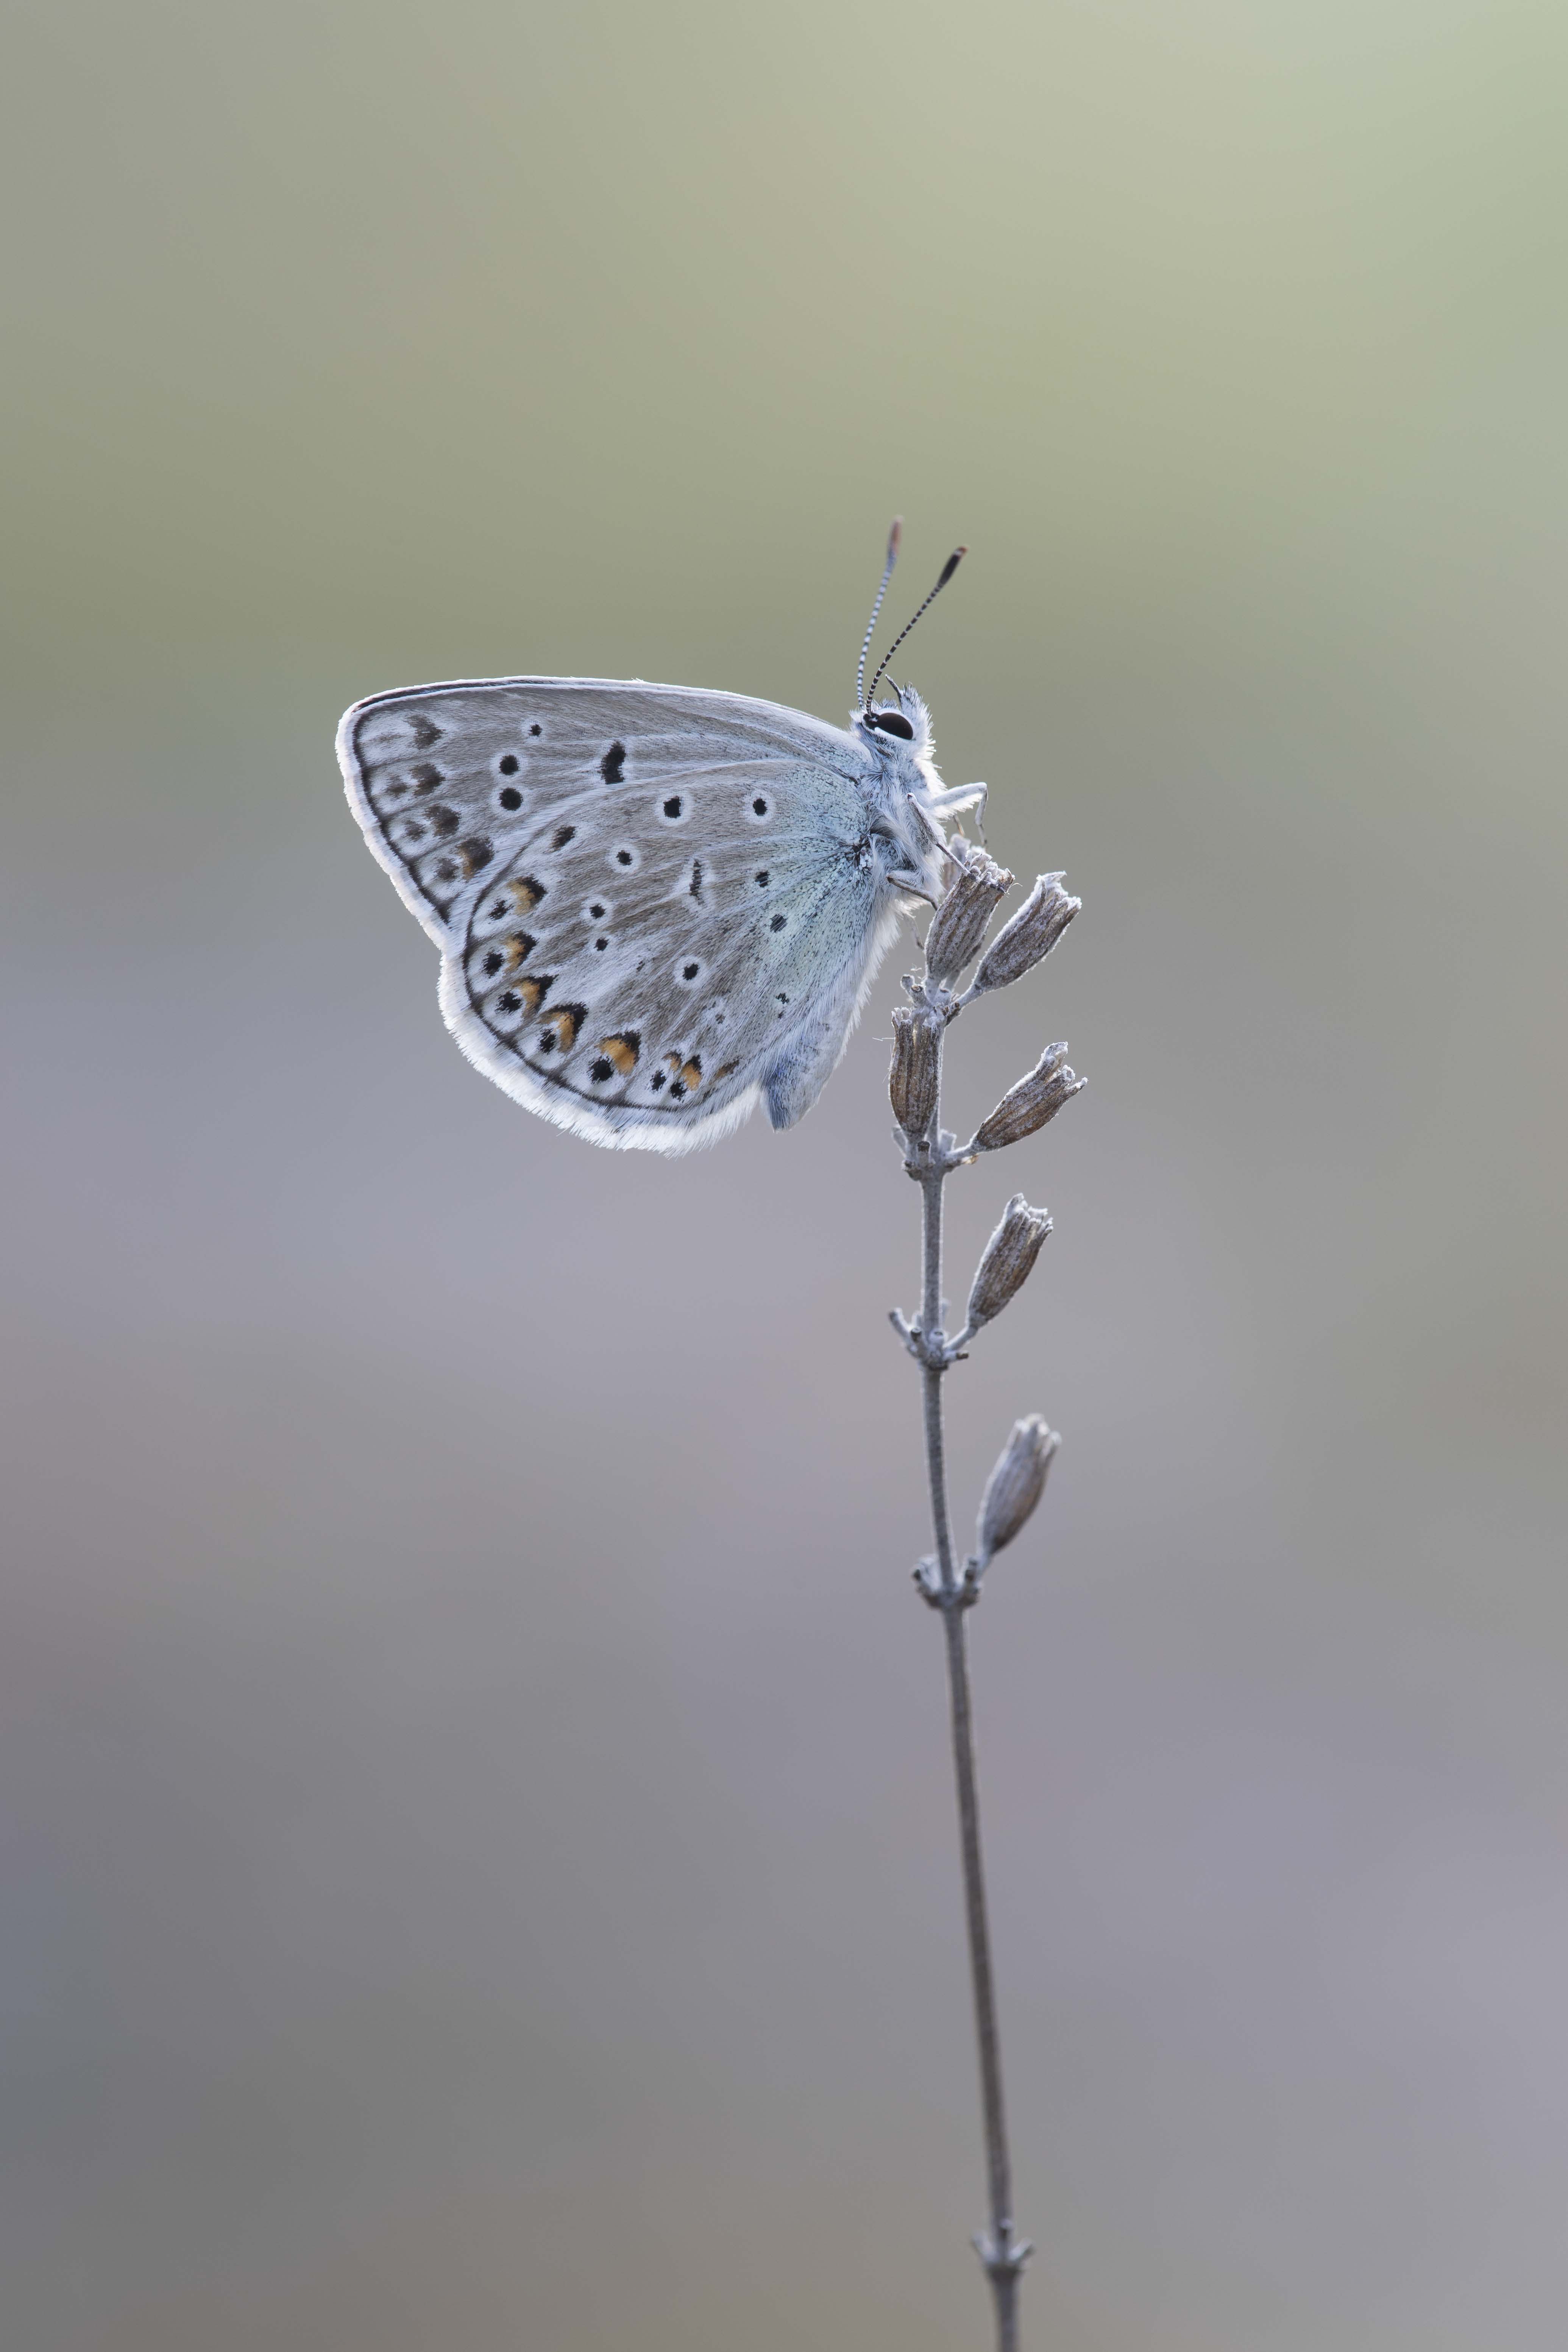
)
(655, 905)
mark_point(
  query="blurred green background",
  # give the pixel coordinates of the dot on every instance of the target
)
(479, 1850)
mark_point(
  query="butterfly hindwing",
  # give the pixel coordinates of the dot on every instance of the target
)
(676, 914)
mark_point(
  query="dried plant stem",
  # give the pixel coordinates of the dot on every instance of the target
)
(955, 937)
(952, 1594)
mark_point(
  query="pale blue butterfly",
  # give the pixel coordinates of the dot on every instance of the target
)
(654, 904)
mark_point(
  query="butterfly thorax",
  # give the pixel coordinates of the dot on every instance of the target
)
(906, 784)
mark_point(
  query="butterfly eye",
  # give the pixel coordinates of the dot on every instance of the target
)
(892, 722)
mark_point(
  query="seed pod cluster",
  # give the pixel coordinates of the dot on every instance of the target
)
(956, 940)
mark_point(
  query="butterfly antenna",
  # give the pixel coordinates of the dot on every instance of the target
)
(893, 538)
(948, 569)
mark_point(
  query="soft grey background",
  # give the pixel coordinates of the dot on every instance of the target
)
(479, 1858)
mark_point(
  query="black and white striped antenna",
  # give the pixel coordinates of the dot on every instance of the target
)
(948, 569)
(894, 536)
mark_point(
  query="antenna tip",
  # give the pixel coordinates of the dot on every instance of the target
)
(895, 537)
(950, 566)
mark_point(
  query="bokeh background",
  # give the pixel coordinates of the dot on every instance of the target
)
(479, 1850)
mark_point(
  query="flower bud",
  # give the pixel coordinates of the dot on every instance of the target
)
(958, 927)
(1032, 933)
(1028, 1105)
(912, 1081)
(1008, 1261)
(1015, 1487)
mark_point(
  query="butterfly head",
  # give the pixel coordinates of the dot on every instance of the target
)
(902, 725)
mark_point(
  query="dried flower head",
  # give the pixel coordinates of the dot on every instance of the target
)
(912, 1081)
(1026, 1106)
(1032, 933)
(1013, 1487)
(1008, 1260)
(958, 927)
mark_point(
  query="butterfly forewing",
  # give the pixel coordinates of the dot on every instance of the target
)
(443, 776)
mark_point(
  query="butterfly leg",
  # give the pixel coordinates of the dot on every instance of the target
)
(961, 796)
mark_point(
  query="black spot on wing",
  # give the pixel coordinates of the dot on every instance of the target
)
(611, 765)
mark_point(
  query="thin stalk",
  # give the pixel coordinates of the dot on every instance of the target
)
(999, 2251)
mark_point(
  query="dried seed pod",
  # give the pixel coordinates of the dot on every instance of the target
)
(1032, 933)
(912, 1081)
(958, 927)
(1008, 1260)
(1026, 1106)
(1015, 1487)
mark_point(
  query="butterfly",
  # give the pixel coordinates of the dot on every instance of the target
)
(655, 905)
